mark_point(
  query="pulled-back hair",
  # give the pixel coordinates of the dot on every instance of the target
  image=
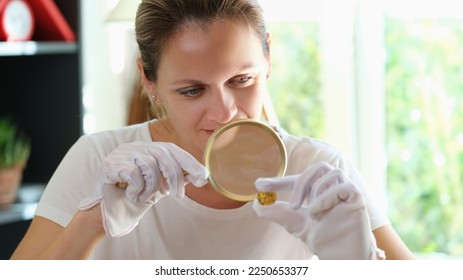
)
(158, 21)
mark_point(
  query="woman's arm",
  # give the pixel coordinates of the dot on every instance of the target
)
(48, 240)
(393, 246)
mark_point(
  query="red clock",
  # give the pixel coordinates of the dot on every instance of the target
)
(16, 20)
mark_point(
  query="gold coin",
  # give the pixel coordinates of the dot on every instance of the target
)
(267, 198)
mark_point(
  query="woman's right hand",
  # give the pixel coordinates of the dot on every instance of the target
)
(145, 172)
(333, 221)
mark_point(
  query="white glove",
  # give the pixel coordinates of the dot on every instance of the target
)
(151, 171)
(334, 223)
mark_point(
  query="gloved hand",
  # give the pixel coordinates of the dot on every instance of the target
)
(334, 223)
(150, 170)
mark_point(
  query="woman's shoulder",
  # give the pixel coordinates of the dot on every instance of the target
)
(303, 151)
(308, 146)
(134, 132)
(109, 139)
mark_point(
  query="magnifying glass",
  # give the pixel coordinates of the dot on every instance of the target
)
(241, 151)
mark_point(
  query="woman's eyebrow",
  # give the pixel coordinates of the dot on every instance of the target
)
(246, 68)
(186, 81)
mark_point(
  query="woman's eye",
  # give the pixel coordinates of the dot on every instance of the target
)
(190, 92)
(243, 81)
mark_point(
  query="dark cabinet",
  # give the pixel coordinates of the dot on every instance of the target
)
(41, 88)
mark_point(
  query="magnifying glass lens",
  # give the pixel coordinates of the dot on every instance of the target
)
(240, 152)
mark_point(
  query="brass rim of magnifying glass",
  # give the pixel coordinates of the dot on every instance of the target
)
(220, 131)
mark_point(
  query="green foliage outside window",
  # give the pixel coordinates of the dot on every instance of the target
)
(294, 85)
(424, 121)
(424, 85)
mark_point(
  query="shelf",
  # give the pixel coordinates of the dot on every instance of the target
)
(36, 48)
(24, 210)
(17, 212)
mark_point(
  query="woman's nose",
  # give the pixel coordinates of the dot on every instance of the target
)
(222, 108)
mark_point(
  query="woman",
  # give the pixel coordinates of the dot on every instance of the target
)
(203, 63)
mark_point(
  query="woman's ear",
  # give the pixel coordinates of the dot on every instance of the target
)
(147, 83)
(269, 41)
(267, 55)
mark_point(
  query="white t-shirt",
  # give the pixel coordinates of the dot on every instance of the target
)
(181, 228)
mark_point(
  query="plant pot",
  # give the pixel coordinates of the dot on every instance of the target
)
(10, 180)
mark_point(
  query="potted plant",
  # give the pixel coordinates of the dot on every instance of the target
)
(15, 150)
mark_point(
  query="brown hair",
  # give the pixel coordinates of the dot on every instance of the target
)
(158, 21)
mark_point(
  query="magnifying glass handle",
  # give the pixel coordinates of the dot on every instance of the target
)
(264, 198)
(123, 185)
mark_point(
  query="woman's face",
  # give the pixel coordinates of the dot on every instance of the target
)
(209, 76)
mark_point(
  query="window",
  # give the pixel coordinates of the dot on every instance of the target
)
(424, 127)
(382, 83)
